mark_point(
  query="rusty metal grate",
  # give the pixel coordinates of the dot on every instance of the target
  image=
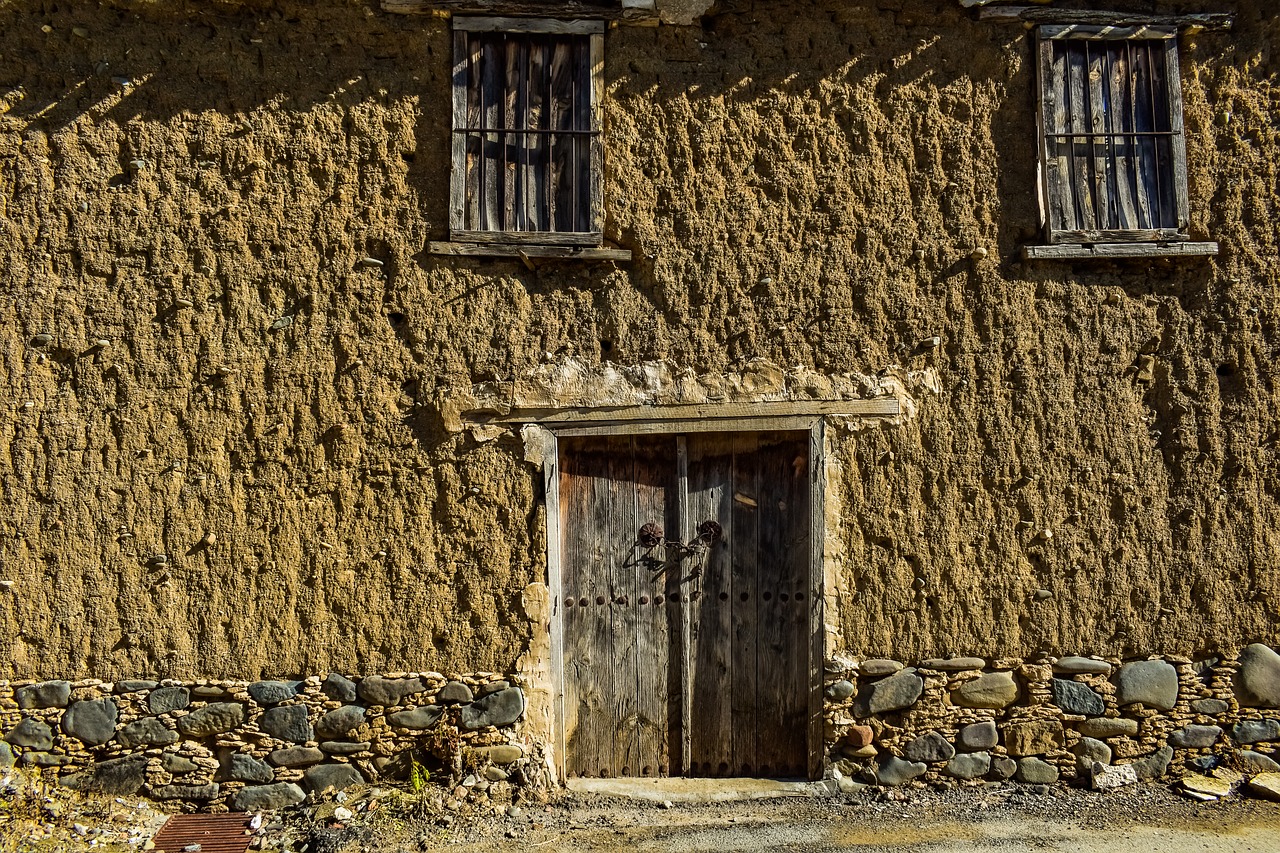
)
(215, 833)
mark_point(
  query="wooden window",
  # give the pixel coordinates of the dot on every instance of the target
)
(1112, 154)
(527, 145)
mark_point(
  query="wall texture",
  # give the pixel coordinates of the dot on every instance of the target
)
(227, 360)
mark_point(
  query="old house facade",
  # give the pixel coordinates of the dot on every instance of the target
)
(875, 389)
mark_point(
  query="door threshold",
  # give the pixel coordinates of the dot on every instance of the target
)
(699, 790)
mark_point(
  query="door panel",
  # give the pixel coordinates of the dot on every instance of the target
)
(747, 591)
(616, 614)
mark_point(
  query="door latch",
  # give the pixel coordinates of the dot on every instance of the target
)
(651, 536)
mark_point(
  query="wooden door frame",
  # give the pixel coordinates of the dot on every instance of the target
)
(815, 426)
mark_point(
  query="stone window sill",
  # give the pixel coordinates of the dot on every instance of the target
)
(1108, 251)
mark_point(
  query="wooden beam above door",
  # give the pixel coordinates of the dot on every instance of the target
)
(698, 417)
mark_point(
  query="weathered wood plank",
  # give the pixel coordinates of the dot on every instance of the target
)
(815, 622)
(514, 65)
(1057, 201)
(659, 690)
(687, 427)
(878, 406)
(529, 238)
(783, 645)
(595, 192)
(1081, 155)
(1098, 118)
(527, 25)
(497, 250)
(1030, 14)
(711, 499)
(491, 68)
(744, 549)
(620, 537)
(1069, 251)
(1178, 142)
(555, 591)
(458, 181)
(587, 636)
(629, 11)
(1121, 120)
(685, 615)
(1082, 32)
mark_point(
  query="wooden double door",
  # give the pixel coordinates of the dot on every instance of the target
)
(689, 607)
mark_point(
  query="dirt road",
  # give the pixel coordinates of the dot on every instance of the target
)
(998, 820)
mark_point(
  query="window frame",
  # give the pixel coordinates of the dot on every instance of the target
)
(463, 27)
(1166, 36)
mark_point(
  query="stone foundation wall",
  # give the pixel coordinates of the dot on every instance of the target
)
(1049, 719)
(240, 745)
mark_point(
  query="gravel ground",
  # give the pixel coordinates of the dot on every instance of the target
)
(1003, 817)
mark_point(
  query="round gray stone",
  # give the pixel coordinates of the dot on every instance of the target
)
(135, 685)
(1255, 762)
(272, 692)
(1194, 737)
(340, 721)
(1089, 751)
(6, 756)
(879, 666)
(454, 693)
(287, 722)
(993, 690)
(891, 770)
(296, 756)
(1003, 767)
(1210, 707)
(268, 797)
(953, 664)
(504, 753)
(497, 709)
(1256, 731)
(165, 699)
(1154, 683)
(1105, 727)
(245, 768)
(492, 687)
(339, 687)
(898, 691)
(417, 718)
(92, 721)
(1257, 681)
(1077, 665)
(973, 765)
(118, 776)
(1034, 771)
(147, 731)
(928, 748)
(1155, 765)
(332, 776)
(31, 734)
(840, 690)
(1076, 698)
(212, 719)
(377, 690)
(343, 747)
(46, 694)
(978, 736)
(186, 792)
(178, 764)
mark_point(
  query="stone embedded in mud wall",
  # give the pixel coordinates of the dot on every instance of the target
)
(255, 745)
(1258, 680)
(1074, 718)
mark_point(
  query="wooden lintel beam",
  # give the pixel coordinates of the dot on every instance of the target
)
(600, 11)
(1216, 21)
(878, 407)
